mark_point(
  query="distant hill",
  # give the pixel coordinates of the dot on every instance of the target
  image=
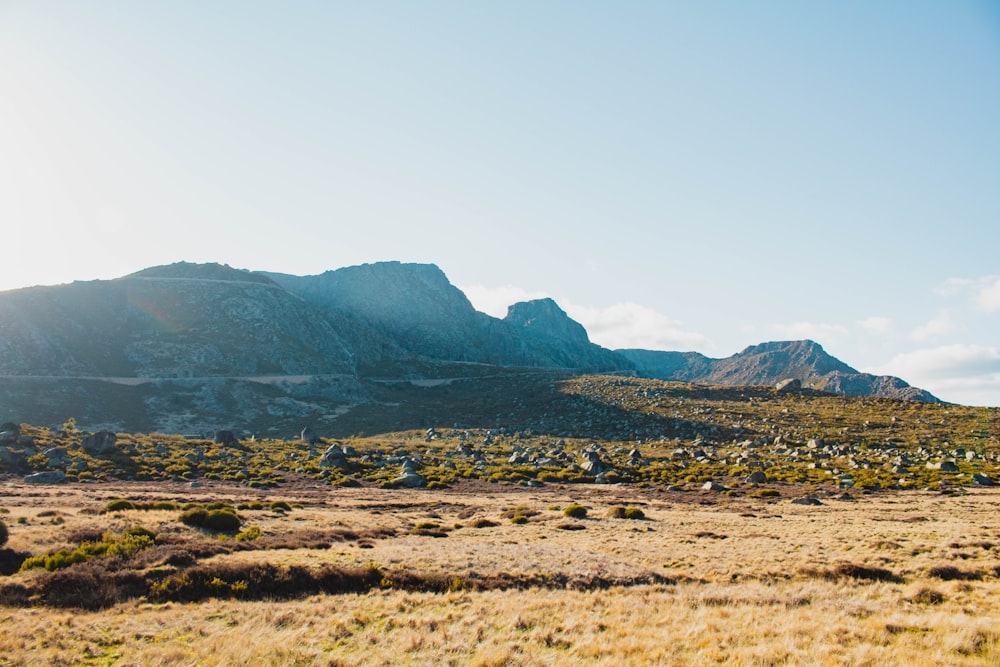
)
(193, 346)
(769, 363)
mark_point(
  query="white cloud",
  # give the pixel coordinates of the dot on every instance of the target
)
(954, 286)
(876, 325)
(988, 297)
(621, 325)
(968, 374)
(985, 291)
(817, 331)
(630, 325)
(495, 300)
(942, 325)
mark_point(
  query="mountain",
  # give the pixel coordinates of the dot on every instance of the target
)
(167, 322)
(196, 347)
(417, 313)
(769, 363)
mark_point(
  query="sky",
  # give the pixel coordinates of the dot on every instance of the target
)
(677, 175)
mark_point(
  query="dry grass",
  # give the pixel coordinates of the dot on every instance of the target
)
(894, 578)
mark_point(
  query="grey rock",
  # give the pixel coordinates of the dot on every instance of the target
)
(410, 480)
(47, 477)
(757, 477)
(226, 438)
(982, 480)
(101, 442)
(9, 433)
(788, 385)
(807, 500)
(334, 457)
(712, 486)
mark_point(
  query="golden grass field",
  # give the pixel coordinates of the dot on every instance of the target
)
(891, 578)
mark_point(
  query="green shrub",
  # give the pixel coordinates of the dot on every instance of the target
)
(221, 506)
(519, 519)
(280, 506)
(130, 544)
(575, 511)
(617, 512)
(165, 505)
(3, 533)
(119, 505)
(249, 535)
(634, 514)
(222, 521)
(194, 517)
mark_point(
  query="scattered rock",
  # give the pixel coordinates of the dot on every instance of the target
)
(757, 477)
(226, 438)
(101, 442)
(410, 480)
(807, 500)
(788, 385)
(334, 457)
(982, 480)
(9, 433)
(47, 477)
(712, 486)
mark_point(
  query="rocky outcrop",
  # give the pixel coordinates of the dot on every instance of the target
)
(785, 362)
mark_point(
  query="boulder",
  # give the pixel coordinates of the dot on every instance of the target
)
(333, 457)
(226, 438)
(47, 477)
(410, 480)
(982, 480)
(712, 486)
(9, 433)
(593, 464)
(807, 500)
(308, 436)
(788, 385)
(757, 477)
(101, 442)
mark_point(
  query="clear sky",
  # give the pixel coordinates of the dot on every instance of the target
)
(677, 175)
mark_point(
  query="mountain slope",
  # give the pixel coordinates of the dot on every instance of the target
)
(419, 313)
(167, 322)
(769, 363)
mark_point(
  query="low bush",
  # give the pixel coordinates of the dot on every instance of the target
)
(575, 511)
(119, 505)
(222, 521)
(194, 517)
(249, 535)
(281, 506)
(4, 533)
(519, 519)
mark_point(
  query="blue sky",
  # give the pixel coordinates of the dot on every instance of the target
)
(678, 175)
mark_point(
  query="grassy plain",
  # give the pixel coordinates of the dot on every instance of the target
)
(892, 577)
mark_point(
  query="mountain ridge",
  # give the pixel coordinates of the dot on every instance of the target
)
(205, 334)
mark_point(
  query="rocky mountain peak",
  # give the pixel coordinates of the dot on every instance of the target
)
(544, 317)
(210, 271)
